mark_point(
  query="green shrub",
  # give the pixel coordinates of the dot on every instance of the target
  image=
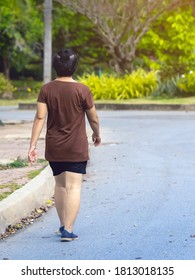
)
(6, 87)
(168, 88)
(138, 84)
(187, 83)
(178, 86)
(26, 89)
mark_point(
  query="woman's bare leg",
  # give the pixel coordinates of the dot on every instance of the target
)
(67, 198)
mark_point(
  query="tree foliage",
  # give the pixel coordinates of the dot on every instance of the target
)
(22, 37)
(113, 33)
(122, 24)
(169, 43)
(74, 30)
(21, 28)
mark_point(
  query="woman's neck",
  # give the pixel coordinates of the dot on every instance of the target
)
(65, 79)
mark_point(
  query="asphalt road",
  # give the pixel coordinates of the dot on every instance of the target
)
(137, 198)
(12, 114)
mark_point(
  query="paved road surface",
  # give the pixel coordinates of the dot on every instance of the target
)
(137, 198)
(11, 113)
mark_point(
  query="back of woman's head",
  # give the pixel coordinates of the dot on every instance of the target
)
(65, 63)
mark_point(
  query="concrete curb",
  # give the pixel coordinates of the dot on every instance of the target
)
(126, 106)
(148, 107)
(23, 201)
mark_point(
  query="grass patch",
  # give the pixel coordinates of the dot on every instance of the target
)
(149, 100)
(15, 102)
(19, 163)
(7, 189)
(12, 188)
(33, 174)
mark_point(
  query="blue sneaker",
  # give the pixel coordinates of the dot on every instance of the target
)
(68, 236)
(61, 229)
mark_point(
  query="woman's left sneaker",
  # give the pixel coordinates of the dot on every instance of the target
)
(67, 236)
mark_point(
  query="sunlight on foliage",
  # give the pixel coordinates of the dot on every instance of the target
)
(138, 84)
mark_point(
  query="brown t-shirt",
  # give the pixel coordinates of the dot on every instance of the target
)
(66, 138)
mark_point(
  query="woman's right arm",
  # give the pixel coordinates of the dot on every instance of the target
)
(38, 123)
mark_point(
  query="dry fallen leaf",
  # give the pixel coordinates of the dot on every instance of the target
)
(49, 201)
(34, 215)
(39, 211)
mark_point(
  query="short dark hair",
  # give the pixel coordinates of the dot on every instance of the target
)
(65, 62)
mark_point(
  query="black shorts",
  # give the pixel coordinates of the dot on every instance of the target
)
(76, 167)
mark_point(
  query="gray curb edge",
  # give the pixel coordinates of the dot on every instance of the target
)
(126, 106)
(23, 201)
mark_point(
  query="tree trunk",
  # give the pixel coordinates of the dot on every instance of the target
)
(122, 58)
(6, 67)
(47, 61)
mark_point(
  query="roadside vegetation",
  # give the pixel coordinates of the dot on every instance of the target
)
(138, 87)
(151, 59)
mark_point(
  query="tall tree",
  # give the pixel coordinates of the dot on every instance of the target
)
(47, 62)
(122, 24)
(73, 30)
(19, 34)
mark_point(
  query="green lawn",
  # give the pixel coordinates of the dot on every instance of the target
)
(186, 100)
(15, 102)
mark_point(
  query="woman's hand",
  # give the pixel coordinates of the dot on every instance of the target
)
(96, 140)
(32, 155)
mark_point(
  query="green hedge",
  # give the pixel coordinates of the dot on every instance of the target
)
(138, 84)
(26, 89)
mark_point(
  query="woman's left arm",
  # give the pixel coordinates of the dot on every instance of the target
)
(38, 124)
